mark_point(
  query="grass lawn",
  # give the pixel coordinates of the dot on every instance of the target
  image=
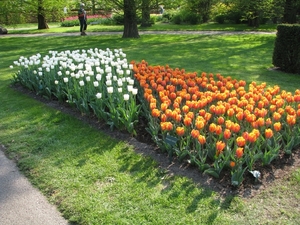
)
(55, 27)
(95, 179)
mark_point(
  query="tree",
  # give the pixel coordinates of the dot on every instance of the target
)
(18, 11)
(201, 7)
(11, 12)
(290, 11)
(130, 20)
(41, 15)
(146, 22)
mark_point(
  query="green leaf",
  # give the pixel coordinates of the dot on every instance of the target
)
(211, 172)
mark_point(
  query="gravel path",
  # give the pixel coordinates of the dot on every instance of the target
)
(20, 202)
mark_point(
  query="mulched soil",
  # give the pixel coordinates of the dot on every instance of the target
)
(142, 143)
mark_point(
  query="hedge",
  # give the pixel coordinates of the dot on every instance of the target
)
(286, 55)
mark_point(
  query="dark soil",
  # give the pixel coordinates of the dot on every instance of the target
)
(142, 143)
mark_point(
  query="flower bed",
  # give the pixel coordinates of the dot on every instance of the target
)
(94, 80)
(72, 21)
(213, 122)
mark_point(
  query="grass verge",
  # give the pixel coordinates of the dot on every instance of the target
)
(95, 179)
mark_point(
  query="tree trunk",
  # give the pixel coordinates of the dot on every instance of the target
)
(146, 22)
(42, 24)
(130, 20)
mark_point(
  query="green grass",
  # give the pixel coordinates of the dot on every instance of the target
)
(95, 179)
(55, 27)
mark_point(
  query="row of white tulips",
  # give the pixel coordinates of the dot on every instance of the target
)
(94, 80)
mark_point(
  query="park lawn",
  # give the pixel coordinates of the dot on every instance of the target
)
(95, 179)
(159, 26)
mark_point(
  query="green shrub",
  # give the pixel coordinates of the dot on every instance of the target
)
(192, 18)
(176, 19)
(157, 18)
(185, 16)
(220, 19)
(234, 16)
(286, 53)
(75, 22)
(118, 19)
(70, 23)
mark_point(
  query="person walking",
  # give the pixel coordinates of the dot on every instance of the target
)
(82, 19)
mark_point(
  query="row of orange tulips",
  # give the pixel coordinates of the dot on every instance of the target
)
(217, 122)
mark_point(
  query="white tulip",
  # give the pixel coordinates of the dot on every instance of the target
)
(134, 91)
(120, 82)
(98, 77)
(108, 83)
(110, 90)
(129, 88)
(126, 97)
(81, 83)
(99, 95)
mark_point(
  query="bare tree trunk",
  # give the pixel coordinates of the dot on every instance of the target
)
(42, 24)
(130, 20)
(146, 22)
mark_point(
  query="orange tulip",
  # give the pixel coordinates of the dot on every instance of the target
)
(240, 116)
(163, 106)
(185, 109)
(166, 126)
(200, 124)
(220, 145)
(268, 133)
(207, 116)
(276, 116)
(180, 131)
(212, 128)
(163, 117)
(252, 137)
(187, 121)
(232, 164)
(298, 112)
(240, 141)
(291, 120)
(201, 139)
(230, 112)
(195, 133)
(221, 120)
(227, 133)
(228, 124)
(239, 152)
(235, 127)
(260, 121)
(268, 122)
(218, 130)
(256, 132)
(155, 113)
